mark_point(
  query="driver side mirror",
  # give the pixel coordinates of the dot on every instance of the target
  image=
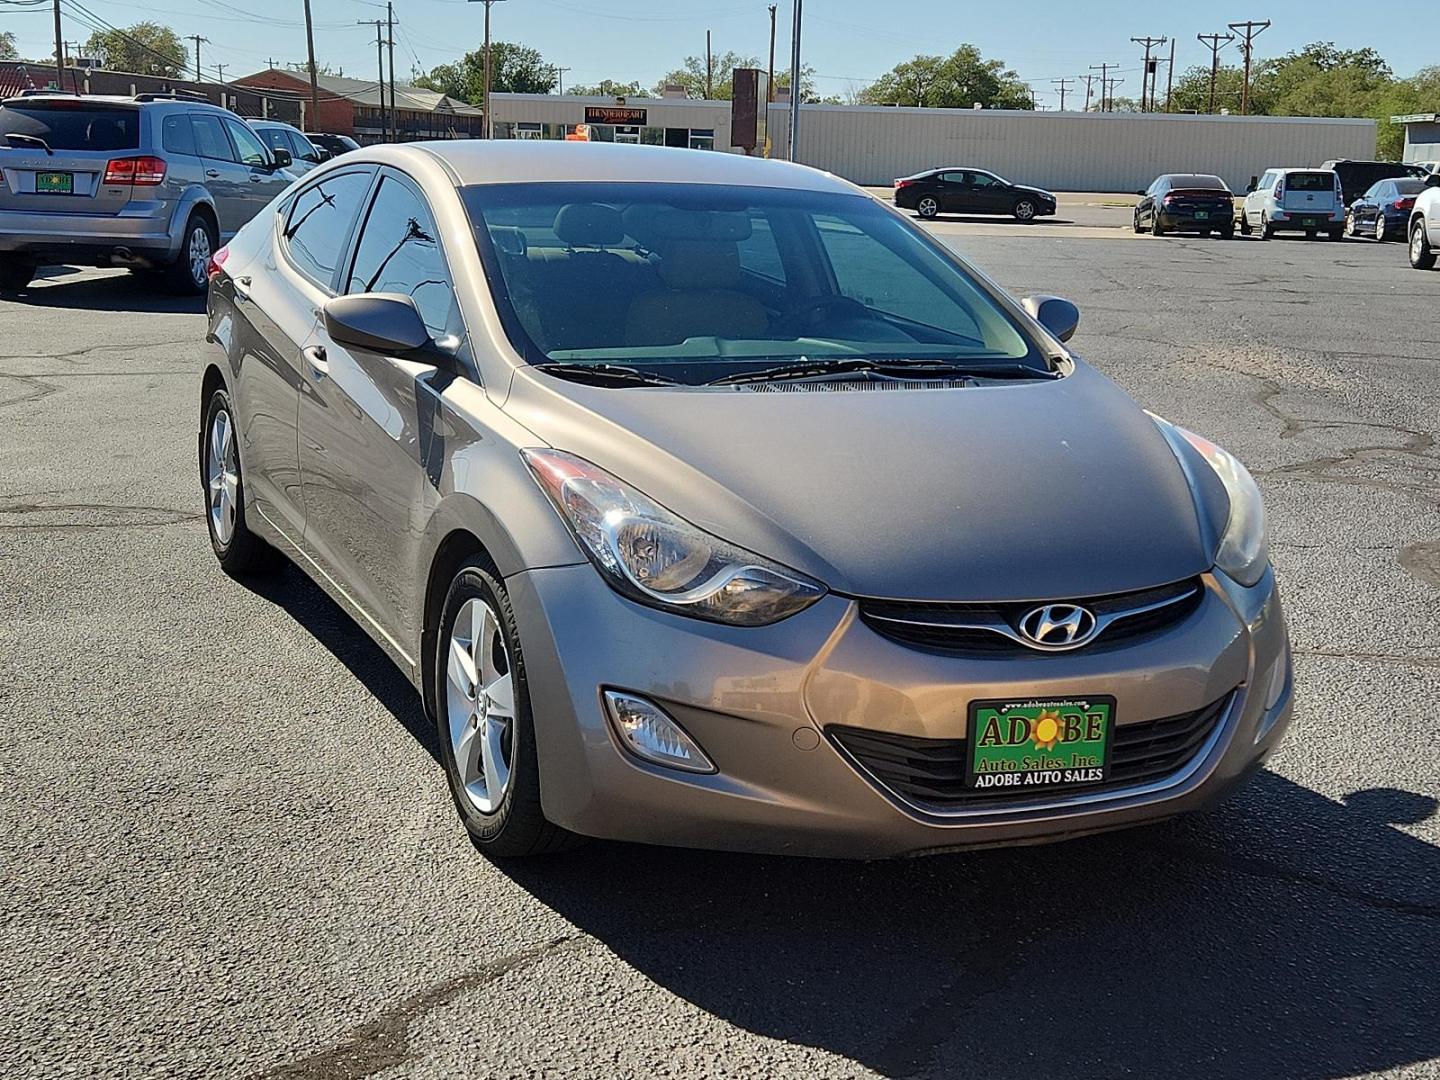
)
(1059, 316)
(281, 158)
(1251, 186)
(386, 323)
(1142, 194)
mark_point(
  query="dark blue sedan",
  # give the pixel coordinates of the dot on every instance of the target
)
(1384, 210)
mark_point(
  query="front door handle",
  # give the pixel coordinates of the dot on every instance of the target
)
(319, 364)
(212, 173)
(255, 178)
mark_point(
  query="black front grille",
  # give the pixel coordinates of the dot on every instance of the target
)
(979, 629)
(930, 773)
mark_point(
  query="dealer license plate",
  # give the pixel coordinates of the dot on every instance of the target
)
(1201, 215)
(55, 183)
(1039, 744)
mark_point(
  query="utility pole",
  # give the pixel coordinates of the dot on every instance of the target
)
(390, 41)
(379, 25)
(1111, 84)
(1215, 41)
(1251, 30)
(560, 75)
(1170, 76)
(770, 82)
(794, 80)
(221, 69)
(487, 128)
(314, 117)
(1104, 69)
(197, 39)
(1089, 80)
(1147, 73)
(709, 70)
(1064, 85)
(59, 50)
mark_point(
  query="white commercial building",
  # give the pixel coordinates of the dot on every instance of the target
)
(870, 145)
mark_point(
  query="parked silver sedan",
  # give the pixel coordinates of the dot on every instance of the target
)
(707, 501)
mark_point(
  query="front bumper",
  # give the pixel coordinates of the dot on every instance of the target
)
(758, 700)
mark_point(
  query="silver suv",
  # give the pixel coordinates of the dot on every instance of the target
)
(153, 182)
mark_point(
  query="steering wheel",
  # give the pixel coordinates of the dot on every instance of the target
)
(803, 316)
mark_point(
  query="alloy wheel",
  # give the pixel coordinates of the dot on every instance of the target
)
(480, 703)
(928, 207)
(198, 253)
(1024, 210)
(222, 476)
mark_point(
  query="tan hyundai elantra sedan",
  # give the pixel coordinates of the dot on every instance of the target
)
(708, 501)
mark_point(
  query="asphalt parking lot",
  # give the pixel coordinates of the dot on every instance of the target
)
(229, 850)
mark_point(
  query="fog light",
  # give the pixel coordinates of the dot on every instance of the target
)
(648, 733)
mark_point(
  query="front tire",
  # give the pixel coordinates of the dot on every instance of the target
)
(1422, 255)
(928, 207)
(16, 274)
(1350, 224)
(241, 553)
(1245, 229)
(486, 734)
(189, 274)
(1025, 211)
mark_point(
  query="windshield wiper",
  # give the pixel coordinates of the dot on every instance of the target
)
(33, 140)
(902, 368)
(606, 374)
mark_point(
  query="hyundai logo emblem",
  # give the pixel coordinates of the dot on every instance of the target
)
(1058, 626)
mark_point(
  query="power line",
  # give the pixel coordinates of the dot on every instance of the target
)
(1215, 41)
(1251, 30)
(1147, 98)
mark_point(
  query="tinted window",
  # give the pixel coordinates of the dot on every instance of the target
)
(320, 219)
(251, 150)
(210, 137)
(302, 148)
(177, 136)
(653, 274)
(399, 252)
(68, 128)
(980, 179)
(1198, 180)
(1310, 181)
(759, 253)
(274, 138)
(1408, 187)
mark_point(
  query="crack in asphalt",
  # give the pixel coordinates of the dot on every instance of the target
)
(110, 515)
(38, 390)
(384, 1042)
(1373, 657)
(74, 354)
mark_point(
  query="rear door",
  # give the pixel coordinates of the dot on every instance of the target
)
(54, 155)
(371, 449)
(1310, 192)
(953, 191)
(227, 180)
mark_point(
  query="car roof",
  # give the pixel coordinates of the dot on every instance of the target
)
(506, 161)
(139, 101)
(255, 121)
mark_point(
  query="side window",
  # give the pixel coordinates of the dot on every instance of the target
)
(319, 221)
(250, 149)
(302, 148)
(877, 277)
(399, 252)
(953, 177)
(177, 136)
(983, 180)
(759, 253)
(274, 138)
(210, 137)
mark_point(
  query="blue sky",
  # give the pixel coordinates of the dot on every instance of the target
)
(849, 42)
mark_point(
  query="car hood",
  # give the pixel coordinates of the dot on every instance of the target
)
(1016, 491)
(1033, 190)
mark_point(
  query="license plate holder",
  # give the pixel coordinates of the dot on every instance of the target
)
(1201, 215)
(54, 183)
(1038, 744)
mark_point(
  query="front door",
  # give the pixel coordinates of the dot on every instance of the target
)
(371, 444)
(988, 193)
(264, 181)
(226, 179)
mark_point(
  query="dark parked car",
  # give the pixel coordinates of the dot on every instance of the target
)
(1358, 177)
(1383, 211)
(332, 145)
(970, 191)
(1186, 202)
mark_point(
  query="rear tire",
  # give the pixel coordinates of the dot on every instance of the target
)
(482, 710)
(1266, 230)
(189, 274)
(1422, 255)
(1310, 234)
(1156, 229)
(1336, 234)
(1136, 224)
(1381, 231)
(16, 274)
(1350, 224)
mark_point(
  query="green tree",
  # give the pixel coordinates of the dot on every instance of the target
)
(515, 69)
(1192, 90)
(8, 51)
(958, 81)
(610, 88)
(691, 75)
(146, 48)
(303, 67)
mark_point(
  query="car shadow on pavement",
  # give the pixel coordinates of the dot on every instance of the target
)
(125, 292)
(1281, 935)
(311, 607)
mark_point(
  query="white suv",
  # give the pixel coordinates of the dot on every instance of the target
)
(1425, 225)
(1295, 200)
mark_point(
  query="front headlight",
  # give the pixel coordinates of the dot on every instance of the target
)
(650, 555)
(1244, 552)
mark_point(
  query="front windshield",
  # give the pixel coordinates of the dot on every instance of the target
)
(665, 276)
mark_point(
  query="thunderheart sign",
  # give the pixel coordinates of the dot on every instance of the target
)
(1024, 745)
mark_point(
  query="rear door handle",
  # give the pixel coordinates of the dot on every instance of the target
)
(255, 178)
(319, 365)
(212, 173)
